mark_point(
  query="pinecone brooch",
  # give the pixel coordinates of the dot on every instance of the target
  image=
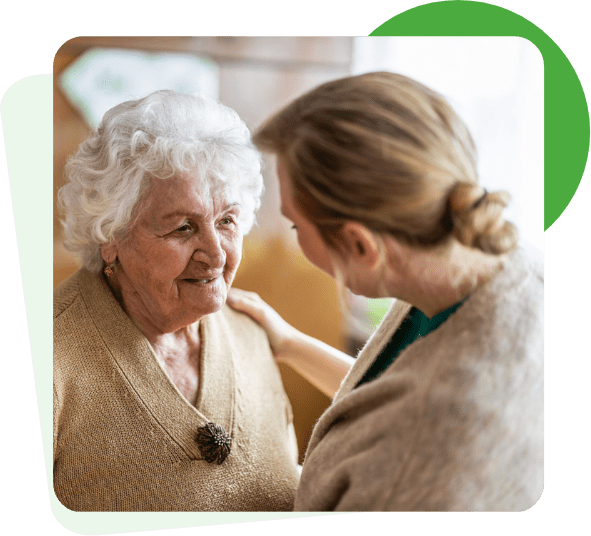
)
(213, 442)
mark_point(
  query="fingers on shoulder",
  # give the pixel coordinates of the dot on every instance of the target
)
(243, 293)
(239, 294)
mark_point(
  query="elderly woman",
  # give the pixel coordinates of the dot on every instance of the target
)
(442, 409)
(164, 398)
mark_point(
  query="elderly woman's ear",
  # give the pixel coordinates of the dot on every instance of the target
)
(109, 252)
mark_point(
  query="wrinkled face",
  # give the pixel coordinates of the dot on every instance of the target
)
(181, 256)
(310, 240)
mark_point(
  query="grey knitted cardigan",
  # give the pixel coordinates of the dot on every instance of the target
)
(454, 424)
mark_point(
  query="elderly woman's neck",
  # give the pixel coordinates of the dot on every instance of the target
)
(160, 331)
(435, 279)
(179, 354)
(163, 338)
(177, 345)
(177, 348)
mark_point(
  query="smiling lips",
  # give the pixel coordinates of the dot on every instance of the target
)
(202, 281)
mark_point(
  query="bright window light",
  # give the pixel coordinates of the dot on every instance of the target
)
(103, 78)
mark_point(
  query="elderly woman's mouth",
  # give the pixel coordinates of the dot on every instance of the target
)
(201, 281)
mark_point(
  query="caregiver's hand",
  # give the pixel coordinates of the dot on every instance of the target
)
(323, 366)
(281, 334)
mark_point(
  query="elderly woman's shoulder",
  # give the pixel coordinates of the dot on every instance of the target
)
(248, 336)
(66, 293)
(241, 323)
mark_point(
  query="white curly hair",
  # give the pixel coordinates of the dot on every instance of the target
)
(163, 135)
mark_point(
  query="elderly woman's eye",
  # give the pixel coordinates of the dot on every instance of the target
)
(228, 220)
(185, 228)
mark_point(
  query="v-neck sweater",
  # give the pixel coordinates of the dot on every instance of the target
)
(124, 436)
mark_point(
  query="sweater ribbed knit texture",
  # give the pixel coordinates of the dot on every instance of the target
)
(124, 436)
(454, 424)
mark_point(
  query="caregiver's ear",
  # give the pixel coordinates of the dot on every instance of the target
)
(109, 252)
(361, 243)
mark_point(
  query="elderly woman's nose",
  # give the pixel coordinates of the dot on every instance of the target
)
(209, 250)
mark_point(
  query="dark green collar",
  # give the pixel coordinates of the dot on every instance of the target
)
(415, 325)
(426, 325)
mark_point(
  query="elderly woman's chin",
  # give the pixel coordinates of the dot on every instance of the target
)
(192, 301)
(203, 296)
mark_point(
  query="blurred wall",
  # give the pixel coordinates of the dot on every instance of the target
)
(257, 76)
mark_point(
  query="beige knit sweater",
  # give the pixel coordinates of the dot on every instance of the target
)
(124, 436)
(455, 423)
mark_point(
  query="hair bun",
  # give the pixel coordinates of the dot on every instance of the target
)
(478, 220)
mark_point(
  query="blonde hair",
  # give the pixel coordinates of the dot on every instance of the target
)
(388, 152)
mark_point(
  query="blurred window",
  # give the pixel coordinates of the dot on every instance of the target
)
(102, 78)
